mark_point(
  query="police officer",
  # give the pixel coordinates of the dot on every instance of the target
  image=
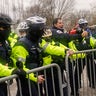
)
(5, 29)
(49, 50)
(83, 26)
(26, 50)
(82, 44)
(13, 37)
(22, 29)
(54, 53)
(58, 34)
(86, 43)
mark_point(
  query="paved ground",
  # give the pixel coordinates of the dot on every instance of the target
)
(86, 90)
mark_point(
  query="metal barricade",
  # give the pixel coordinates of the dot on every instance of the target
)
(81, 73)
(11, 84)
(45, 70)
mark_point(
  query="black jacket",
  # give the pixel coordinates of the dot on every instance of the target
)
(58, 35)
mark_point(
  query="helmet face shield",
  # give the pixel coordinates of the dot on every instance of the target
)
(36, 26)
(37, 30)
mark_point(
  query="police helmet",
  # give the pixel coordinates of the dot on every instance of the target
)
(5, 29)
(36, 22)
(36, 25)
(5, 19)
(82, 21)
(22, 26)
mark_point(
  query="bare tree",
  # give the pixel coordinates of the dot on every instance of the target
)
(93, 13)
(51, 9)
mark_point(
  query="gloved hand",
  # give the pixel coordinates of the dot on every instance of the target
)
(19, 70)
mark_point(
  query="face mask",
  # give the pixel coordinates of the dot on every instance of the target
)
(4, 34)
(38, 34)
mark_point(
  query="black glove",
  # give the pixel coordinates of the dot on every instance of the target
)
(19, 70)
(19, 64)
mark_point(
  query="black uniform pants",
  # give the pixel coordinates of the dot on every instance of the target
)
(91, 70)
(50, 86)
(25, 88)
(75, 71)
(3, 89)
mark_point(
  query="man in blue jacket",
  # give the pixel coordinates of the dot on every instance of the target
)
(58, 34)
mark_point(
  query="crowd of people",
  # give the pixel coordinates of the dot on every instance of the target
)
(54, 46)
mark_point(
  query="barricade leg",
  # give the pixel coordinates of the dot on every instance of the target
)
(51, 85)
(78, 80)
(91, 71)
(75, 71)
(25, 88)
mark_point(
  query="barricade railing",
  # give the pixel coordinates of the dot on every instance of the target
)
(81, 73)
(46, 71)
(9, 80)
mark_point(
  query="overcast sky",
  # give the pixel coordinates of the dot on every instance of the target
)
(84, 4)
(80, 4)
